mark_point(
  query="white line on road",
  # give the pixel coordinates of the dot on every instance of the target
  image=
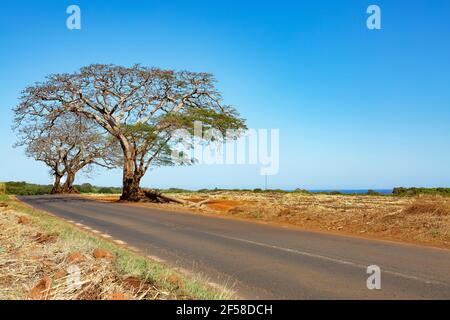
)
(317, 256)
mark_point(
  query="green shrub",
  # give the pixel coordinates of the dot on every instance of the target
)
(371, 192)
(303, 191)
(334, 193)
(26, 189)
(109, 190)
(411, 192)
(85, 188)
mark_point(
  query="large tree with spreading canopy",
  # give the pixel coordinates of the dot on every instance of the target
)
(139, 107)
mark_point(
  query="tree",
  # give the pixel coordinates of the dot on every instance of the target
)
(140, 107)
(86, 188)
(70, 144)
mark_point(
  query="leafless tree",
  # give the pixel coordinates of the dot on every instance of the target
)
(140, 107)
(70, 144)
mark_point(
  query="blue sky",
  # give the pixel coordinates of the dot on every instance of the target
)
(355, 108)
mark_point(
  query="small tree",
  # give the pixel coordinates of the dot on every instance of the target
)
(86, 188)
(68, 144)
(140, 107)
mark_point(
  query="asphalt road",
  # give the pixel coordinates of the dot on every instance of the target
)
(262, 261)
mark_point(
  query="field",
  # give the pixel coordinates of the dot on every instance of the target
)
(421, 220)
(43, 258)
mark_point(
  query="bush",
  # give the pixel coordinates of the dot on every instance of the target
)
(109, 190)
(303, 191)
(411, 192)
(27, 189)
(85, 188)
(334, 193)
(371, 192)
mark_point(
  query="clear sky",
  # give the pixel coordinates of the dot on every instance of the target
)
(356, 108)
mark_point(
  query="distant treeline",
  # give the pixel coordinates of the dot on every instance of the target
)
(409, 192)
(24, 188)
(258, 190)
(405, 192)
(28, 189)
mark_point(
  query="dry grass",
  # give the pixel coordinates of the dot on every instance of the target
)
(429, 206)
(423, 220)
(40, 257)
(2, 188)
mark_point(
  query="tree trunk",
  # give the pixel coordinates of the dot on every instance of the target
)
(57, 185)
(131, 189)
(68, 185)
(131, 182)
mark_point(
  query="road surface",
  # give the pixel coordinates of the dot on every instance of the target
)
(262, 261)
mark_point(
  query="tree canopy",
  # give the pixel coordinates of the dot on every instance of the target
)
(140, 107)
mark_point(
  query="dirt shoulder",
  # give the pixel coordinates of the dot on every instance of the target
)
(43, 257)
(419, 220)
